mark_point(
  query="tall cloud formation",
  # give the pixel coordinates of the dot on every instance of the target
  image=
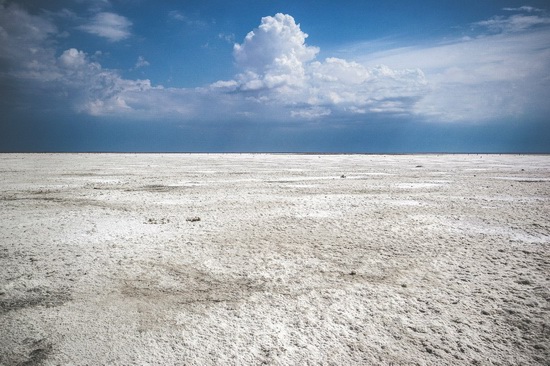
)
(274, 55)
(278, 67)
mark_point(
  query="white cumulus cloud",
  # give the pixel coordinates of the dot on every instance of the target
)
(73, 58)
(95, 90)
(276, 46)
(278, 67)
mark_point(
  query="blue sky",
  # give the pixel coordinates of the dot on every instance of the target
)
(272, 75)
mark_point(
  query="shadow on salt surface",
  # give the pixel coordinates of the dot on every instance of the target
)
(170, 284)
(35, 296)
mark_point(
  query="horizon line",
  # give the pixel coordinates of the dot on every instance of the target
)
(277, 152)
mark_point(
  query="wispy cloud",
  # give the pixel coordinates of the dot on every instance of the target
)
(490, 75)
(229, 38)
(186, 19)
(141, 62)
(96, 6)
(514, 23)
(311, 113)
(112, 26)
(528, 9)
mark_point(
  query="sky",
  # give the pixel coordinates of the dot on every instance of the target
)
(358, 76)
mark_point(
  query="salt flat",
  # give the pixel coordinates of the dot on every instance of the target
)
(296, 259)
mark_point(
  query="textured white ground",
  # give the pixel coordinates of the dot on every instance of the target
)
(407, 260)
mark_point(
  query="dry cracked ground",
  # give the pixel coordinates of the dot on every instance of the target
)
(251, 259)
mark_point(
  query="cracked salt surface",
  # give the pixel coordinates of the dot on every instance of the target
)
(426, 260)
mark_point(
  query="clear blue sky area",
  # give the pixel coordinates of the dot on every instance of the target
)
(274, 75)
